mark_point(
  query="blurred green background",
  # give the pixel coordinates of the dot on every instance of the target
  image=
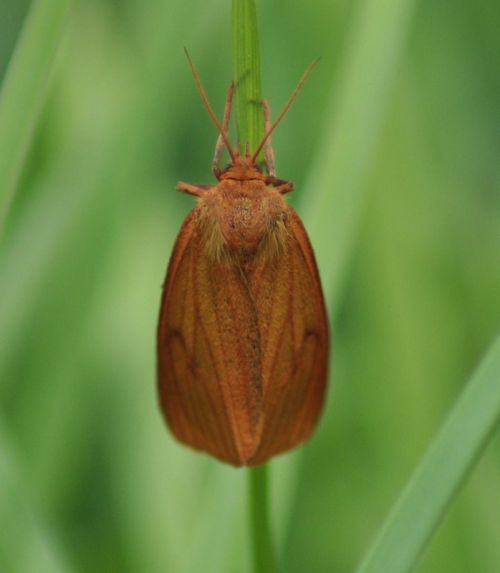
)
(394, 147)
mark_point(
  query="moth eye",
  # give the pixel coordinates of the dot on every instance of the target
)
(259, 168)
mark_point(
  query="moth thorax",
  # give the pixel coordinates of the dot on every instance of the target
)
(244, 222)
(235, 222)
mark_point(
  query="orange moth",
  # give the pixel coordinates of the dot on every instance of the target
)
(243, 334)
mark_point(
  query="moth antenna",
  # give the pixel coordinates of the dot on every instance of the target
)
(206, 102)
(288, 104)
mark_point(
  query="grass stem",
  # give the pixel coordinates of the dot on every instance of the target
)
(258, 493)
(250, 128)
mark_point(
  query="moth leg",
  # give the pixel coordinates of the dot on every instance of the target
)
(281, 185)
(190, 189)
(268, 148)
(219, 146)
(285, 187)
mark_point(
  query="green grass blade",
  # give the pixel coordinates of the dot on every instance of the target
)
(246, 73)
(24, 89)
(441, 472)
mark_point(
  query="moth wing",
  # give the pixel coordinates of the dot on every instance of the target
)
(209, 372)
(294, 341)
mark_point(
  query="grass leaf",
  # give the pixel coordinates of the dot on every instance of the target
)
(442, 471)
(24, 90)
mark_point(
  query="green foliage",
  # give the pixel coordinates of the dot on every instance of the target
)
(441, 472)
(394, 152)
(24, 89)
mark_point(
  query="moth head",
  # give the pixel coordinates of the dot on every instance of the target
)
(243, 167)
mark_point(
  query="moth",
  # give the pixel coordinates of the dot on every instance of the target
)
(242, 341)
